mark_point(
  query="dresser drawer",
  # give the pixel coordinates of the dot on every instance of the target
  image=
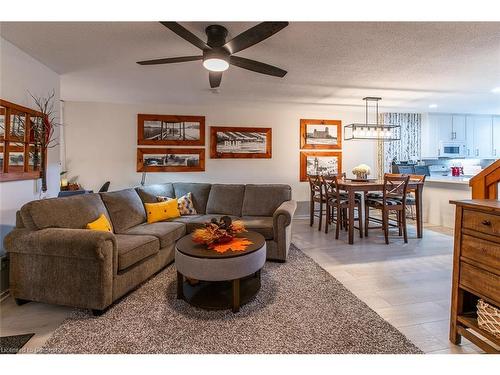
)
(482, 222)
(483, 282)
(482, 251)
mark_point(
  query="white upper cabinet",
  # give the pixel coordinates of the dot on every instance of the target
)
(479, 133)
(444, 124)
(496, 137)
(482, 127)
(458, 128)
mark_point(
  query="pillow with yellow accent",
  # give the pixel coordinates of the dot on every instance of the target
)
(162, 210)
(101, 223)
(184, 203)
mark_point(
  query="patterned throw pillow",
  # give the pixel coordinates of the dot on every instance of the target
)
(185, 204)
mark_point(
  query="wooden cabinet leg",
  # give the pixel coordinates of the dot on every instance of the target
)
(236, 295)
(180, 285)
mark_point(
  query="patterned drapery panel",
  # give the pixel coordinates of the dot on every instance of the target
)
(407, 148)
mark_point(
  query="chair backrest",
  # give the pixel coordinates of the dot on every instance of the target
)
(331, 187)
(104, 188)
(416, 178)
(315, 185)
(395, 187)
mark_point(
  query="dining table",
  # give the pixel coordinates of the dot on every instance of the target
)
(353, 186)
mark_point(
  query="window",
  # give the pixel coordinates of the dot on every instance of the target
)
(20, 154)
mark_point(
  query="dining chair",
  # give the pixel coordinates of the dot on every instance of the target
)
(317, 195)
(411, 200)
(337, 205)
(393, 200)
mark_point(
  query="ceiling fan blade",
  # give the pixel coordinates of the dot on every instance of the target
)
(185, 34)
(254, 35)
(215, 78)
(170, 60)
(256, 66)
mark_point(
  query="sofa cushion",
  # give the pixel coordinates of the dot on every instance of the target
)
(125, 209)
(133, 249)
(69, 212)
(149, 193)
(166, 231)
(263, 200)
(225, 199)
(199, 194)
(260, 224)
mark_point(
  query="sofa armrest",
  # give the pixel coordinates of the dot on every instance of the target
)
(62, 242)
(284, 214)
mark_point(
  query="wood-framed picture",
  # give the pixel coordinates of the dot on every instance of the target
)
(227, 142)
(325, 163)
(170, 159)
(170, 130)
(320, 134)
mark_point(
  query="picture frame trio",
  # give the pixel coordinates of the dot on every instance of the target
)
(226, 142)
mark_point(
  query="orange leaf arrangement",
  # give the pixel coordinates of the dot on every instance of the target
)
(236, 244)
(219, 232)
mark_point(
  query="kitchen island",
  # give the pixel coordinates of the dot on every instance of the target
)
(438, 192)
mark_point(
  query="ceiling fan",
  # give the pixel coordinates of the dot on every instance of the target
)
(218, 54)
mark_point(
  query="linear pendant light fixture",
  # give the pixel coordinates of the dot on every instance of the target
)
(372, 131)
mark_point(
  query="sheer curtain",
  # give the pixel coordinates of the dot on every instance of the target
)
(407, 148)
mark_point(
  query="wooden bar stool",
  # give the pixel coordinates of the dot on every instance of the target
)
(317, 195)
(393, 200)
(337, 205)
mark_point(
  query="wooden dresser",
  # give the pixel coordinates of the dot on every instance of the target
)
(476, 269)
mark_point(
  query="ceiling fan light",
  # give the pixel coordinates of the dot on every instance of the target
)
(215, 64)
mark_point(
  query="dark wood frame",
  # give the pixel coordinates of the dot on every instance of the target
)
(7, 140)
(229, 155)
(303, 134)
(143, 150)
(174, 118)
(305, 154)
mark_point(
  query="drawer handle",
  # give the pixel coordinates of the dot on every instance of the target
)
(486, 222)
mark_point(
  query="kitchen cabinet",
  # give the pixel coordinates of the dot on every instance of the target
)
(479, 133)
(496, 137)
(482, 136)
(458, 128)
(445, 127)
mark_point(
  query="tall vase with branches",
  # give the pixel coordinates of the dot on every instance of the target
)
(44, 136)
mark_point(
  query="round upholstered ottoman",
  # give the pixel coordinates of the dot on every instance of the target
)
(223, 280)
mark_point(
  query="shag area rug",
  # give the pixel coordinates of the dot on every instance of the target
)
(300, 308)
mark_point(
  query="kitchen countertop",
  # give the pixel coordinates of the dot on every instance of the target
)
(448, 179)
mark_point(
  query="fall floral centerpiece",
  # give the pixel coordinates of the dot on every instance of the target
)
(218, 231)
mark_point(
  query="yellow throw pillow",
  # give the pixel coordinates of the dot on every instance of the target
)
(162, 210)
(102, 223)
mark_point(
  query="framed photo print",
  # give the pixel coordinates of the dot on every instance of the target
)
(170, 130)
(170, 159)
(320, 134)
(236, 142)
(324, 163)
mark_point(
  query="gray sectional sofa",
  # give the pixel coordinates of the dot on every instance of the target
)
(53, 259)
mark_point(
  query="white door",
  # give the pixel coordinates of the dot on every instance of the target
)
(458, 132)
(496, 137)
(430, 145)
(483, 136)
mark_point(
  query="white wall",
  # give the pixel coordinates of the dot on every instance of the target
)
(101, 143)
(19, 73)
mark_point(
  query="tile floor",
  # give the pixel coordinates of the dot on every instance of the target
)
(407, 284)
